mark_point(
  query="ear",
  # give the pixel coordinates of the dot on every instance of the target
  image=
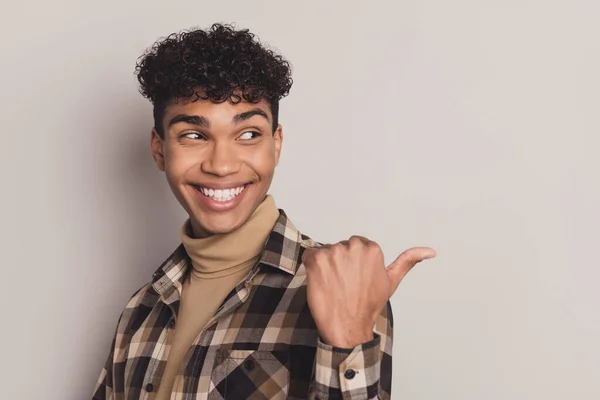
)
(278, 138)
(156, 145)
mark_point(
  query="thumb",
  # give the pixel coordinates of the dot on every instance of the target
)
(399, 268)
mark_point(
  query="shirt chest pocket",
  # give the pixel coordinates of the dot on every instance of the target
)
(250, 374)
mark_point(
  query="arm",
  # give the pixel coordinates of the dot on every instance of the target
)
(362, 372)
(104, 386)
(348, 288)
(111, 381)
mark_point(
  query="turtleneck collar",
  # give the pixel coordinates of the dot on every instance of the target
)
(221, 255)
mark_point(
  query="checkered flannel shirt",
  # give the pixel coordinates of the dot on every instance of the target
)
(262, 342)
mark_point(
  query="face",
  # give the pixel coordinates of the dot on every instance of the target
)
(219, 160)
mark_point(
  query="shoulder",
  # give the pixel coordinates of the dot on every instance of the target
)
(145, 295)
(138, 307)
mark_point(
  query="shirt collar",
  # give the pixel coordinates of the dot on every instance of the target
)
(283, 251)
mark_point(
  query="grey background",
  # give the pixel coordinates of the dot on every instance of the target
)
(470, 126)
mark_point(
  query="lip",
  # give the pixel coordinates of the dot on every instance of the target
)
(221, 186)
(220, 206)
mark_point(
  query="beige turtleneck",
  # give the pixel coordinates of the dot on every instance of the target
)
(219, 263)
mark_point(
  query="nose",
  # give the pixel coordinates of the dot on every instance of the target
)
(221, 160)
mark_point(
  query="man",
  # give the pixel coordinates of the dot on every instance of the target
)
(246, 307)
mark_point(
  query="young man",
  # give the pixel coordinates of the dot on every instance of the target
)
(246, 307)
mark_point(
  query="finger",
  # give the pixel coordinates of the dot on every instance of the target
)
(307, 254)
(359, 238)
(310, 252)
(405, 262)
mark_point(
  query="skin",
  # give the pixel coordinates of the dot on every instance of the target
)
(347, 282)
(227, 152)
(348, 285)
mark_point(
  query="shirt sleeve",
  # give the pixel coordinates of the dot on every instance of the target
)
(363, 372)
(112, 377)
(103, 390)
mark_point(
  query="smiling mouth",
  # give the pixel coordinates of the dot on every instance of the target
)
(222, 195)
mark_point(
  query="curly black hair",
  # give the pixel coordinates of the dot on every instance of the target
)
(217, 64)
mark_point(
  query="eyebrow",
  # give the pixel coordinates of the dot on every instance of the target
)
(199, 120)
(190, 119)
(249, 114)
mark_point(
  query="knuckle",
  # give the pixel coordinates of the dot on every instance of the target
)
(309, 255)
(373, 247)
(356, 242)
(320, 255)
(407, 257)
(337, 249)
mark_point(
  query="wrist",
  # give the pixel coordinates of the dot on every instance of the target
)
(348, 340)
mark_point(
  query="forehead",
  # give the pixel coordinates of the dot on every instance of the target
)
(215, 112)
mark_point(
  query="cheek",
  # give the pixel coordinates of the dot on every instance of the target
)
(178, 163)
(263, 163)
(266, 158)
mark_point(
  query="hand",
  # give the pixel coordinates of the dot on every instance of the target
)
(348, 285)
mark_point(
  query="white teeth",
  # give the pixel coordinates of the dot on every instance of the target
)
(222, 194)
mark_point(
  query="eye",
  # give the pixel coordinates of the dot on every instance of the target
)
(192, 135)
(249, 135)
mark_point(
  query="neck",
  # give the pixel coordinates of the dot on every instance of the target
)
(221, 255)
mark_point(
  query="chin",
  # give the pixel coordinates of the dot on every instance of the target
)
(218, 224)
(221, 216)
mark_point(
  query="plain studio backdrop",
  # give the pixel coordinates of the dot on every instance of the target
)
(469, 126)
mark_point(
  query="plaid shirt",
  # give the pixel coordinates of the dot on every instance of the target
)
(262, 342)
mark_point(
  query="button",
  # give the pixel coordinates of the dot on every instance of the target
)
(350, 374)
(249, 364)
(149, 387)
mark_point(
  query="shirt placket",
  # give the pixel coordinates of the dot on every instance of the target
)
(234, 301)
(157, 364)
